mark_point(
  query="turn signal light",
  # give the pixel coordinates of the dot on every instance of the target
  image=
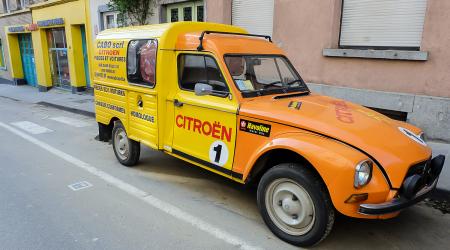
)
(357, 198)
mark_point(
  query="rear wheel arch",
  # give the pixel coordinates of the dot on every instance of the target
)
(105, 130)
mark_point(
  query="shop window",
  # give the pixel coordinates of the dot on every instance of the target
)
(2, 57)
(58, 57)
(193, 69)
(141, 62)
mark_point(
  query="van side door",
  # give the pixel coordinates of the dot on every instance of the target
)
(142, 97)
(205, 126)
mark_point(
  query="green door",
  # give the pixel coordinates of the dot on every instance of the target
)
(85, 56)
(27, 57)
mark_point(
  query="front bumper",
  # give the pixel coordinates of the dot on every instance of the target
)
(415, 188)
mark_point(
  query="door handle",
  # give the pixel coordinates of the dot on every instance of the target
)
(140, 103)
(177, 103)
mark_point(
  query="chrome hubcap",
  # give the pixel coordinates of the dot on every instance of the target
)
(121, 144)
(290, 207)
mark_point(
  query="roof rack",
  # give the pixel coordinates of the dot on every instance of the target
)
(200, 46)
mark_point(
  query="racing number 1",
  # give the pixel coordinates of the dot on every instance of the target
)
(218, 153)
(218, 150)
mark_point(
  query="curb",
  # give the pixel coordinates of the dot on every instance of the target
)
(68, 109)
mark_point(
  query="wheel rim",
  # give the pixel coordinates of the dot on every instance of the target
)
(290, 207)
(121, 144)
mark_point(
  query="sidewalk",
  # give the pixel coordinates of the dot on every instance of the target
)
(54, 97)
(84, 103)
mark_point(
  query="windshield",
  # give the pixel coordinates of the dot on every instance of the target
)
(260, 74)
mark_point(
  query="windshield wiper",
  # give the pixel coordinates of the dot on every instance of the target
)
(294, 81)
(271, 84)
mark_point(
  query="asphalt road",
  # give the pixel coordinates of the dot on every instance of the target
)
(163, 203)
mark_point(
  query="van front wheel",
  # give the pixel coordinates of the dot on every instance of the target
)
(126, 150)
(295, 204)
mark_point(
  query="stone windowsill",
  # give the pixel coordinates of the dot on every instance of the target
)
(378, 54)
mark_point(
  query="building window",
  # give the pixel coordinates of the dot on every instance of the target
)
(193, 69)
(382, 24)
(141, 62)
(2, 57)
(111, 19)
(174, 15)
(200, 15)
(256, 16)
(186, 11)
(5, 5)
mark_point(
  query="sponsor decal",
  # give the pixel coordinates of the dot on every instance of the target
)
(144, 117)
(109, 90)
(343, 112)
(295, 105)
(213, 129)
(413, 136)
(110, 106)
(255, 128)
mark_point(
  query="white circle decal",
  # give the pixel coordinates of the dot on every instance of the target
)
(218, 153)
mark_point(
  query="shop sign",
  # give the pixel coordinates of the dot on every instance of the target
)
(50, 22)
(14, 29)
(32, 27)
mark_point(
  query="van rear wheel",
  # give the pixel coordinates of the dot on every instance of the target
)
(127, 151)
(295, 204)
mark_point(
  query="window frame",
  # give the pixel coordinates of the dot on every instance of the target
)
(269, 91)
(218, 65)
(143, 84)
(2, 51)
(115, 15)
(403, 48)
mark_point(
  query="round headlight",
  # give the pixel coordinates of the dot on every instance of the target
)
(363, 173)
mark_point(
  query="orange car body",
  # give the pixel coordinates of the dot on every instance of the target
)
(328, 135)
(331, 134)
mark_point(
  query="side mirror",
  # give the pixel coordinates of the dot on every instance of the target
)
(203, 89)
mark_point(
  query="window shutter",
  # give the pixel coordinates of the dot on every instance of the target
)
(256, 16)
(382, 23)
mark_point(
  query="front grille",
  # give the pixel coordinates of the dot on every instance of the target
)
(418, 168)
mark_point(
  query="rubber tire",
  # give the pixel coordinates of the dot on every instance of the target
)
(323, 207)
(135, 147)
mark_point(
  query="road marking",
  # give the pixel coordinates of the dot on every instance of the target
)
(79, 185)
(31, 127)
(138, 193)
(71, 121)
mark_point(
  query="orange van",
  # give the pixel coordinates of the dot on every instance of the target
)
(232, 103)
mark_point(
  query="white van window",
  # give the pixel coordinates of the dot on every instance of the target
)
(141, 62)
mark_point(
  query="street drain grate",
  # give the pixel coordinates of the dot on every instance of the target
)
(80, 185)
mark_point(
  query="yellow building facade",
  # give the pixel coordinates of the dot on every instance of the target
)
(53, 50)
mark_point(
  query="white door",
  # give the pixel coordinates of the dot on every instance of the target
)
(256, 16)
(382, 23)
